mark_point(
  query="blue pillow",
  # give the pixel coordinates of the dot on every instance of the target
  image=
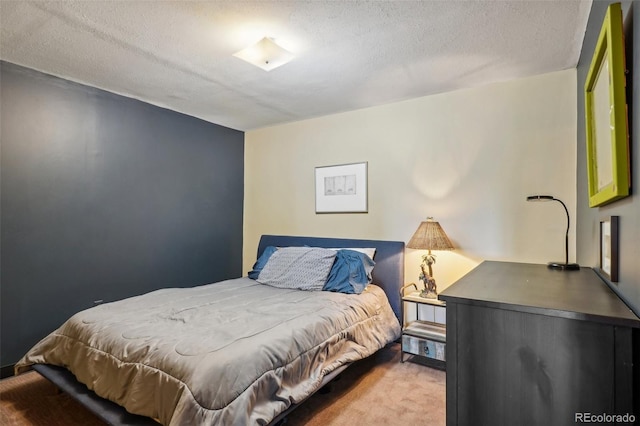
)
(262, 260)
(351, 272)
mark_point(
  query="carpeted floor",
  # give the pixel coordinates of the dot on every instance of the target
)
(377, 391)
(30, 399)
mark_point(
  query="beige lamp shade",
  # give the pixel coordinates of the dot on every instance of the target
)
(430, 236)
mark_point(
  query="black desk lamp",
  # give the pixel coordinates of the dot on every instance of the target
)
(566, 266)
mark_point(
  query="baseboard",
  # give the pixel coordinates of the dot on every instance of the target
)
(6, 371)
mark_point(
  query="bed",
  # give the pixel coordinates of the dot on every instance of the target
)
(252, 352)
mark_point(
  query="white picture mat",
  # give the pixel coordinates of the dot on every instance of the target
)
(341, 188)
(605, 261)
(602, 126)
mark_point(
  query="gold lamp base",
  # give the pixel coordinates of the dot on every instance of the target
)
(428, 294)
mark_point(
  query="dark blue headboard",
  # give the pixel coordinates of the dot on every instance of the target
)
(387, 274)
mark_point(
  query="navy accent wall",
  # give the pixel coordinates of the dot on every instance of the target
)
(588, 220)
(105, 197)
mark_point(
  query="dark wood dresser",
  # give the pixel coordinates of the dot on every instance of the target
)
(527, 345)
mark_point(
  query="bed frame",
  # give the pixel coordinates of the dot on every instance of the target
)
(388, 274)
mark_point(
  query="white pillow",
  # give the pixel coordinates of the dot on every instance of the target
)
(368, 251)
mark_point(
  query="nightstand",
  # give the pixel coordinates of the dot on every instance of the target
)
(426, 336)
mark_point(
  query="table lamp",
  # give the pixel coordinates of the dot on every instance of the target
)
(566, 266)
(429, 236)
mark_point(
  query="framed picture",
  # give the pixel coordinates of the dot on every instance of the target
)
(606, 115)
(609, 248)
(342, 188)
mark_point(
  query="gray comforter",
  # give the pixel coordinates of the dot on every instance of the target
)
(233, 353)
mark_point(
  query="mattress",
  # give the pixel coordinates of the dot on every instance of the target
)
(235, 352)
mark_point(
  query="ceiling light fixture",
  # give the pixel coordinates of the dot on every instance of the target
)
(265, 54)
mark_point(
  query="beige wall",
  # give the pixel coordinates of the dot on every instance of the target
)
(468, 158)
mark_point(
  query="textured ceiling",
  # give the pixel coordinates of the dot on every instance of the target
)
(349, 54)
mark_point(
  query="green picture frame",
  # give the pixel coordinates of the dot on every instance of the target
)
(606, 115)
